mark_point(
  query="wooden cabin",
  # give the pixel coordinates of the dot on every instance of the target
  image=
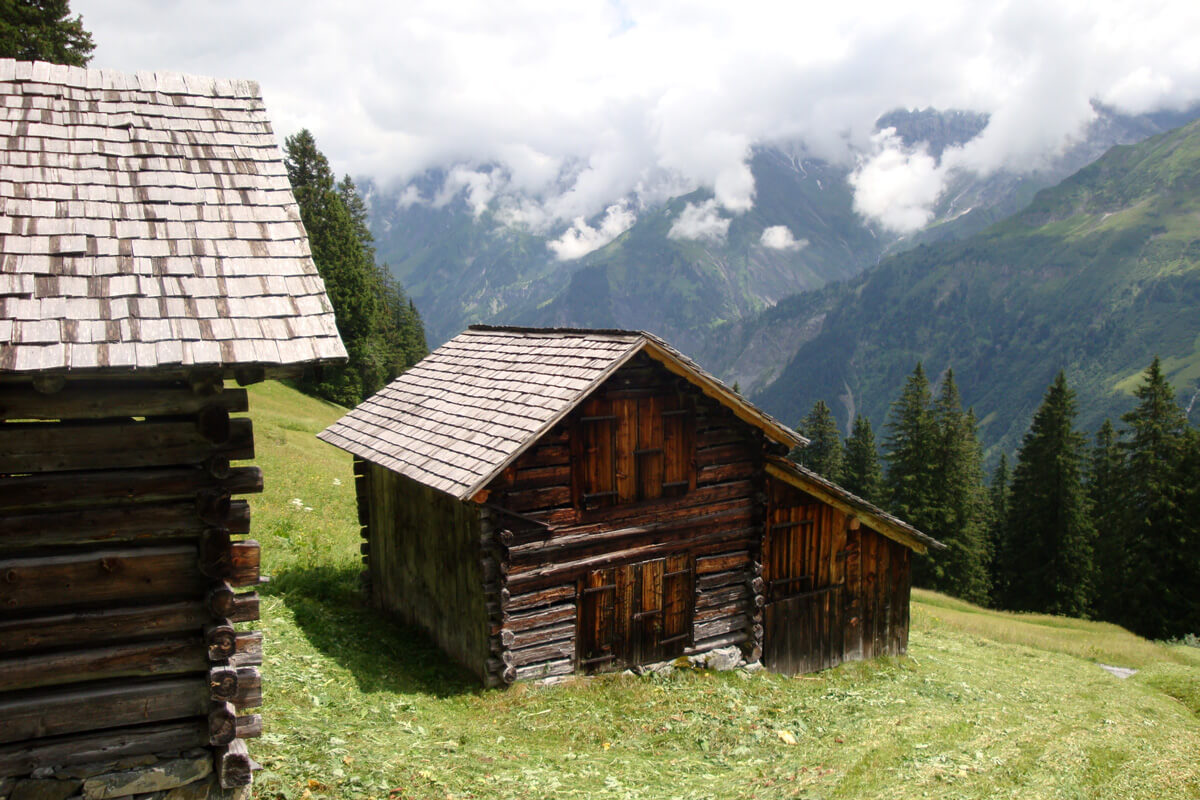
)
(150, 250)
(545, 502)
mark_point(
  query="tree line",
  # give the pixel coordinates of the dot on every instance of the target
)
(378, 324)
(1107, 530)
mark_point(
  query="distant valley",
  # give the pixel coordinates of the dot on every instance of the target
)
(753, 313)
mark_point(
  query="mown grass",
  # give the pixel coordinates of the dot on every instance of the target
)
(987, 705)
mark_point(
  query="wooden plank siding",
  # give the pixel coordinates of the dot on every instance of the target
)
(644, 484)
(424, 564)
(120, 551)
(837, 590)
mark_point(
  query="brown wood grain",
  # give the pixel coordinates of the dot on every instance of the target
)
(55, 447)
(136, 659)
(75, 709)
(100, 576)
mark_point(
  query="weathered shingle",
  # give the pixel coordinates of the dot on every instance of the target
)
(127, 204)
(462, 414)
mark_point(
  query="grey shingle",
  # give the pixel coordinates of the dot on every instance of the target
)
(128, 205)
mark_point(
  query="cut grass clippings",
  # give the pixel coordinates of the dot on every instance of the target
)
(988, 705)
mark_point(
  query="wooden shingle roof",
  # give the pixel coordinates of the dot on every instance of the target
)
(471, 407)
(146, 221)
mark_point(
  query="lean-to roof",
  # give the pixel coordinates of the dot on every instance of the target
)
(827, 491)
(146, 221)
(471, 407)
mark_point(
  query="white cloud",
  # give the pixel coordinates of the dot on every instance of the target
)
(780, 237)
(575, 106)
(895, 186)
(581, 238)
(702, 222)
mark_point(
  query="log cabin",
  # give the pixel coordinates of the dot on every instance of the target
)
(150, 251)
(551, 501)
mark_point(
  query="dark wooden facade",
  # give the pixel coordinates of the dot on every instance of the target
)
(649, 522)
(122, 553)
(836, 590)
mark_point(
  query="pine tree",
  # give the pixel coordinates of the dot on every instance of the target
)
(1160, 538)
(999, 493)
(44, 30)
(1105, 486)
(861, 473)
(378, 324)
(959, 507)
(1187, 567)
(908, 451)
(1049, 561)
(823, 454)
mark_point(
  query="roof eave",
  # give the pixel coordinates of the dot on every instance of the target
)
(906, 535)
(724, 395)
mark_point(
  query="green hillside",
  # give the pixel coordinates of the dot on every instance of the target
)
(1095, 276)
(987, 705)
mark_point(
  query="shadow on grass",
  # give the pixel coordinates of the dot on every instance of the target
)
(381, 653)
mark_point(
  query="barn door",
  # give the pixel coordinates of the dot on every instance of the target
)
(635, 614)
(802, 618)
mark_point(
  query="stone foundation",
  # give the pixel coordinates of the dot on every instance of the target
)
(165, 776)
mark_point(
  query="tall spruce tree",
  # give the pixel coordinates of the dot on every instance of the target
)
(1187, 567)
(999, 493)
(823, 454)
(1049, 561)
(377, 323)
(959, 509)
(44, 30)
(861, 472)
(908, 451)
(1161, 545)
(1105, 487)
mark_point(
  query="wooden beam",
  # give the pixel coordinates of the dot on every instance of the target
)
(137, 659)
(120, 487)
(234, 766)
(61, 446)
(94, 626)
(92, 707)
(100, 576)
(24, 757)
(237, 607)
(106, 400)
(148, 522)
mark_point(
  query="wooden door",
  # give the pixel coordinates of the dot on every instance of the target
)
(635, 614)
(802, 557)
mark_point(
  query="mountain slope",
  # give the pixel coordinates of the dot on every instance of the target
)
(683, 288)
(1096, 276)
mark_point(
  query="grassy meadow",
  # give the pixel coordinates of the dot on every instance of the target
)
(987, 705)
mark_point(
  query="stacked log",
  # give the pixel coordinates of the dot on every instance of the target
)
(362, 495)
(121, 560)
(499, 669)
(725, 601)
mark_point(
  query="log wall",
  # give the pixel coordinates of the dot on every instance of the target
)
(121, 560)
(680, 532)
(423, 558)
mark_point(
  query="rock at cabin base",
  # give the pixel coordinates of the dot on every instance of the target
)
(43, 789)
(159, 777)
(84, 771)
(720, 659)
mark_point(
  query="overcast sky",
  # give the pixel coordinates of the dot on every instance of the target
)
(594, 109)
